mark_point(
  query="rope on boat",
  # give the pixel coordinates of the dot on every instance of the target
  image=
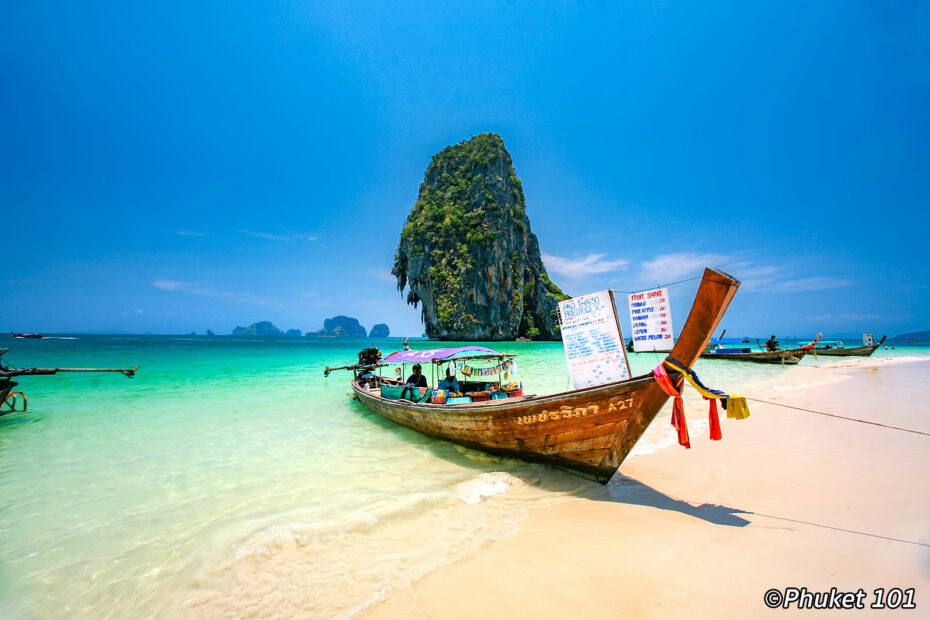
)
(709, 278)
(834, 415)
(665, 285)
(842, 417)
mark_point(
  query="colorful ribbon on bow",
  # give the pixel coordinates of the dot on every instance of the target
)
(734, 405)
(678, 409)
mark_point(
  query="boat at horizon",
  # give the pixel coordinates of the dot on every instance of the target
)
(34, 335)
(587, 431)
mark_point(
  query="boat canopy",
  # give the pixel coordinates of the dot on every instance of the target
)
(428, 355)
(719, 341)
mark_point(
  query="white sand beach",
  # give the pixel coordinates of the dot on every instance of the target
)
(787, 498)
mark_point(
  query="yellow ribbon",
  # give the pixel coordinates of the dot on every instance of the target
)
(736, 406)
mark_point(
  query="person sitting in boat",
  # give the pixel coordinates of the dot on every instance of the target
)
(416, 380)
(367, 379)
(771, 344)
(450, 383)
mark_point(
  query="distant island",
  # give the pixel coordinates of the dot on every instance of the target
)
(467, 254)
(341, 327)
(921, 337)
(336, 327)
(262, 328)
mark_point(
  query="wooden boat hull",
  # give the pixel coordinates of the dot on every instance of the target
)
(588, 431)
(782, 356)
(850, 352)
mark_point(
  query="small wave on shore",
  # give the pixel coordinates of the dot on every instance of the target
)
(294, 565)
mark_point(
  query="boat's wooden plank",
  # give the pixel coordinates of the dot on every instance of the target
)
(575, 449)
(509, 435)
(566, 437)
(596, 437)
(529, 423)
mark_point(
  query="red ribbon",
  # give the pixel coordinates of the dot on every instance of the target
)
(678, 409)
(714, 420)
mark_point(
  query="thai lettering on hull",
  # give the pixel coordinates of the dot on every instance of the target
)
(565, 411)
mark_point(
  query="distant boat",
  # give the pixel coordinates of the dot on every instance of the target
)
(739, 349)
(838, 349)
(15, 335)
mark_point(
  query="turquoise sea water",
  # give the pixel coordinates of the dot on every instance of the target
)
(230, 479)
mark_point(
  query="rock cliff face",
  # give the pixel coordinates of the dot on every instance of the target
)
(468, 254)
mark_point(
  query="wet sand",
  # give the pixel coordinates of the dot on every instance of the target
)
(787, 498)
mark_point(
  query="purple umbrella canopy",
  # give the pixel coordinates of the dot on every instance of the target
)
(427, 355)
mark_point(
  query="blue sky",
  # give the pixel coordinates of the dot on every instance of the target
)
(172, 168)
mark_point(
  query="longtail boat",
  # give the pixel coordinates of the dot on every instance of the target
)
(840, 350)
(588, 431)
(9, 399)
(16, 335)
(740, 350)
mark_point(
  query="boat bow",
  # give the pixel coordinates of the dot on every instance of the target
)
(713, 297)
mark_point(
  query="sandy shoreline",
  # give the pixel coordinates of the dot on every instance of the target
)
(786, 499)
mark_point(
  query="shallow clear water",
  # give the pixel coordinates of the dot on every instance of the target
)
(229, 478)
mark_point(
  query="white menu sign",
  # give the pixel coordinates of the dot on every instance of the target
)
(651, 317)
(593, 341)
(867, 340)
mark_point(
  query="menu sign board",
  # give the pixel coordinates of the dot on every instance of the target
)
(867, 340)
(593, 341)
(651, 317)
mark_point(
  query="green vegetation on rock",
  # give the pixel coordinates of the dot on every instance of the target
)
(467, 251)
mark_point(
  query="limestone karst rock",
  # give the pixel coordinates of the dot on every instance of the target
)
(467, 254)
(380, 330)
(341, 326)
